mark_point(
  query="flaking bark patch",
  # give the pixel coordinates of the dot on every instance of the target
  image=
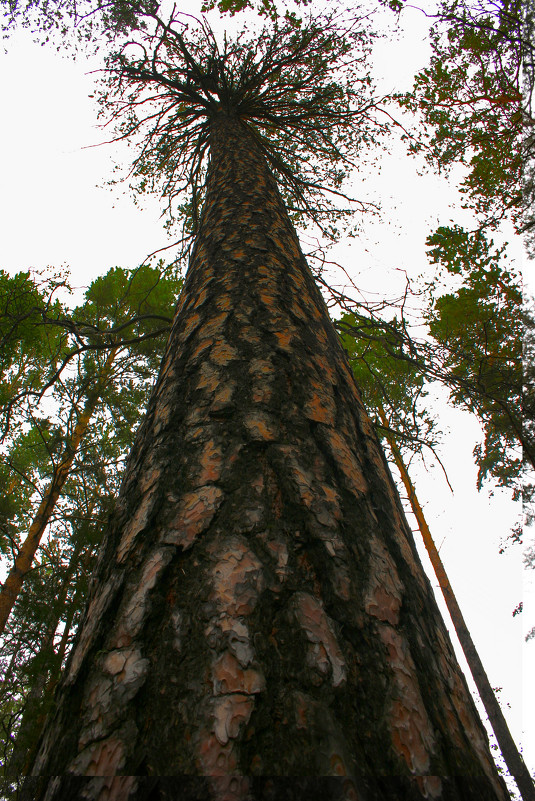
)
(194, 515)
(324, 654)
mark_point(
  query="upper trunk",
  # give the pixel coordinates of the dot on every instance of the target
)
(259, 609)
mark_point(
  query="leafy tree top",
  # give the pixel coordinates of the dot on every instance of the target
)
(475, 98)
(303, 90)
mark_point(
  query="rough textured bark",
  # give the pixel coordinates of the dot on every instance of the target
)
(260, 626)
(513, 758)
(25, 556)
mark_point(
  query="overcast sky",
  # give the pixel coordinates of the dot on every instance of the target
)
(55, 210)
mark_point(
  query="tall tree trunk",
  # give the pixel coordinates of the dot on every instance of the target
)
(25, 556)
(259, 614)
(513, 758)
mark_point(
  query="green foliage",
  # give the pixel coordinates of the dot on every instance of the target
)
(125, 315)
(389, 380)
(475, 326)
(264, 8)
(75, 23)
(479, 329)
(471, 100)
(26, 344)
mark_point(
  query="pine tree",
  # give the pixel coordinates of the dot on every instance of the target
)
(259, 624)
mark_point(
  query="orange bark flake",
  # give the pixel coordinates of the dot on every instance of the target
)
(284, 338)
(237, 578)
(337, 766)
(213, 327)
(141, 517)
(162, 414)
(194, 515)
(261, 394)
(117, 788)
(104, 758)
(229, 677)
(223, 302)
(319, 630)
(210, 462)
(346, 460)
(261, 372)
(325, 369)
(350, 791)
(412, 736)
(208, 377)
(214, 759)
(266, 275)
(268, 298)
(223, 396)
(429, 786)
(136, 608)
(331, 496)
(230, 713)
(385, 590)
(201, 347)
(223, 353)
(303, 479)
(114, 662)
(261, 367)
(260, 426)
(191, 324)
(300, 311)
(201, 298)
(320, 408)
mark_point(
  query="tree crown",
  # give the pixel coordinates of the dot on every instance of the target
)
(302, 89)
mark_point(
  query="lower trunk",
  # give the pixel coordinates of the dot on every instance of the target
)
(259, 614)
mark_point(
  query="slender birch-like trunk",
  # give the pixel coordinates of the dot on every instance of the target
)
(25, 556)
(259, 626)
(513, 758)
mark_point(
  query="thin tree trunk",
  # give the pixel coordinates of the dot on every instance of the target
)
(513, 758)
(33, 717)
(260, 625)
(24, 559)
(49, 689)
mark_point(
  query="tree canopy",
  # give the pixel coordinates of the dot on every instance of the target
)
(302, 87)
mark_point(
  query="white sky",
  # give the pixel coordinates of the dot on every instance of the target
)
(52, 213)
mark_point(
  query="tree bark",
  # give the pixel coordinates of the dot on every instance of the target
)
(259, 625)
(513, 758)
(25, 556)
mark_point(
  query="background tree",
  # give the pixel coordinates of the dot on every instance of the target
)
(472, 100)
(125, 313)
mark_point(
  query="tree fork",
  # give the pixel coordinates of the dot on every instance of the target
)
(513, 758)
(258, 614)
